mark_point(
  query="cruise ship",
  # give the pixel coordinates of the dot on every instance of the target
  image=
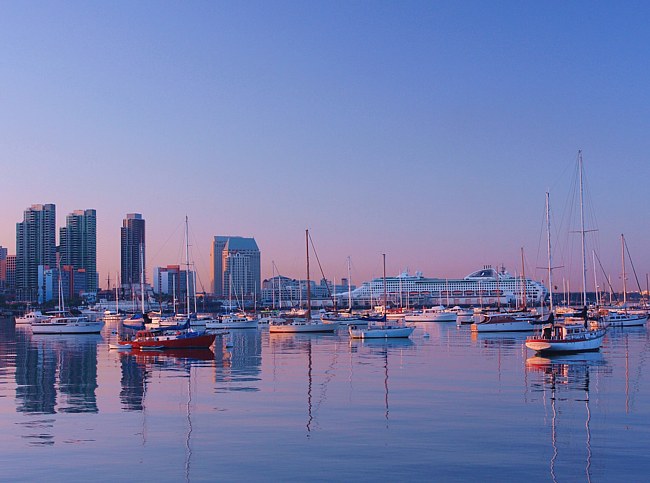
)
(487, 286)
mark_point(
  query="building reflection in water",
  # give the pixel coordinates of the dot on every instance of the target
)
(565, 382)
(238, 366)
(56, 373)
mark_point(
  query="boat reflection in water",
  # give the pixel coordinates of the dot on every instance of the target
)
(565, 382)
(387, 349)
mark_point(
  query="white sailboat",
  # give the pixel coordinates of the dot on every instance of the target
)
(110, 316)
(573, 334)
(63, 322)
(622, 316)
(384, 329)
(300, 324)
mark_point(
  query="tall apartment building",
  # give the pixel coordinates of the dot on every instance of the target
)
(235, 266)
(133, 253)
(35, 245)
(78, 245)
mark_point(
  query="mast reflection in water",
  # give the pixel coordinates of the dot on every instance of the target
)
(565, 385)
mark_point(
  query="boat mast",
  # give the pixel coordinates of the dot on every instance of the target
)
(385, 289)
(524, 296)
(548, 249)
(349, 288)
(593, 256)
(582, 232)
(623, 265)
(273, 282)
(187, 267)
(308, 281)
(141, 279)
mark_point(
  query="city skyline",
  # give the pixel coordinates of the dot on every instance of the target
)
(426, 131)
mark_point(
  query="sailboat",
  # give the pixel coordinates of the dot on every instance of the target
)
(622, 317)
(382, 329)
(137, 320)
(521, 321)
(573, 334)
(231, 320)
(110, 316)
(347, 317)
(63, 322)
(300, 324)
(178, 337)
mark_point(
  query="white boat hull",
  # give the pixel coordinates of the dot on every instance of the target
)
(30, 318)
(302, 327)
(380, 332)
(217, 324)
(628, 321)
(81, 327)
(435, 317)
(590, 342)
(514, 326)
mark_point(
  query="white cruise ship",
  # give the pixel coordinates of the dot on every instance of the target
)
(487, 286)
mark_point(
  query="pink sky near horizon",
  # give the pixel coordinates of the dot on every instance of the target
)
(426, 131)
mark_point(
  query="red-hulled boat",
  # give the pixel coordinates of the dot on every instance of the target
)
(170, 339)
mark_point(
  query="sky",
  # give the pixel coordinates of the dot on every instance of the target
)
(428, 131)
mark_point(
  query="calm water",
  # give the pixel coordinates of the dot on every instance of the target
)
(448, 407)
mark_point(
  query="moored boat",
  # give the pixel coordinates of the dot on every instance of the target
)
(301, 325)
(505, 322)
(433, 314)
(571, 335)
(231, 321)
(29, 317)
(169, 339)
(64, 323)
(624, 318)
(387, 330)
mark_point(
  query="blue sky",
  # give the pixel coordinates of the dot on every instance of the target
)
(428, 131)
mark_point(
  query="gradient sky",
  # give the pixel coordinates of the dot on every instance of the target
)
(429, 131)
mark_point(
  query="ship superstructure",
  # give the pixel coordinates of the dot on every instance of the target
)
(487, 286)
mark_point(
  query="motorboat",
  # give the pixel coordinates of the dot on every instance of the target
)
(433, 314)
(33, 316)
(624, 318)
(62, 322)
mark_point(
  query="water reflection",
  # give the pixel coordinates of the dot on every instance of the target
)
(56, 373)
(137, 368)
(239, 363)
(566, 383)
(386, 350)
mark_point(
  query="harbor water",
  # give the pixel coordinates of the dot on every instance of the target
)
(444, 405)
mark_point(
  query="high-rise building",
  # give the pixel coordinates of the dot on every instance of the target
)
(171, 280)
(133, 249)
(11, 272)
(235, 266)
(35, 245)
(78, 245)
(3, 268)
